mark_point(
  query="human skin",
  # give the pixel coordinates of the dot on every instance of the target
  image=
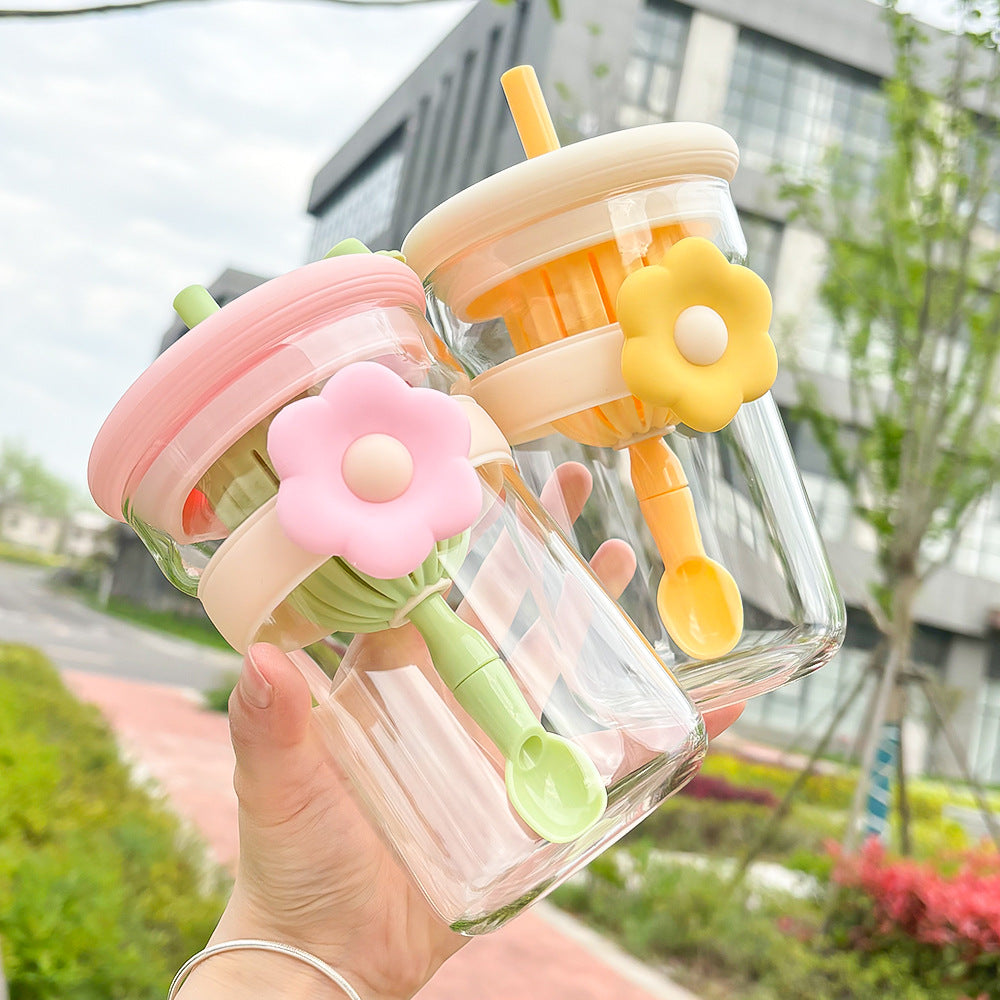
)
(312, 872)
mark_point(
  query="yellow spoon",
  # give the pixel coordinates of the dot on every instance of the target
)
(697, 598)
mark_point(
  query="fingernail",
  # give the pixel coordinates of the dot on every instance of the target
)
(253, 684)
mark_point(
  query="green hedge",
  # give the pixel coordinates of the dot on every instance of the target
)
(927, 798)
(102, 896)
(723, 942)
(728, 829)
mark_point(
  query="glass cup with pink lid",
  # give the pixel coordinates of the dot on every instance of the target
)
(596, 293)
(309, 463)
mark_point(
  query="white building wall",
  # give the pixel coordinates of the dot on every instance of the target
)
(26, 528)
(583, 77)
(708, 58)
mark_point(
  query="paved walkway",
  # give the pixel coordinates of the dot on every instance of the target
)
(542, 955)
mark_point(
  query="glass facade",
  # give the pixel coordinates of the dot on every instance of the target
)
(763, 245)
(978, 552)
(653, 70)
(985, 740)
(789, 107)
(801, 711)
(830, 498)
(362, 206)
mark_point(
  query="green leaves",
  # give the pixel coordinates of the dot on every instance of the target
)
(25, 479)
(911, 286)
(99, 899)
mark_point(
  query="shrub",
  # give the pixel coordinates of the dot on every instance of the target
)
(833, 789)
(722, 941)
(703, 786)
(705, 826)
(29, 557)
(217, 696)
(939, 918)
(101, 895)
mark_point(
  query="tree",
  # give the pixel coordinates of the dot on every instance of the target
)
(25, 480)
(911, 284)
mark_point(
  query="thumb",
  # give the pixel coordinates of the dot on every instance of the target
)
(269, 712)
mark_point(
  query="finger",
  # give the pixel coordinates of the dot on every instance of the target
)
(614, 565)
(566, 492)
(505, 577)
(269, 712)
(722, 718)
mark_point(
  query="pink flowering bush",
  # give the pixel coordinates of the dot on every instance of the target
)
(704, 786)
(947, 917)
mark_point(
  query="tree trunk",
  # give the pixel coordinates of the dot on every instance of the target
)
(900, 637)
(902, 798)
(800, 779)
(955, 745)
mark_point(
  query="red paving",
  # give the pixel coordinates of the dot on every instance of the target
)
(186, 749)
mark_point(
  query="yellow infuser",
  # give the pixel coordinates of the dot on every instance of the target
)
(681, 336)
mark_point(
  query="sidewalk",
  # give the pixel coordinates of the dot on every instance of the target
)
(542, 955)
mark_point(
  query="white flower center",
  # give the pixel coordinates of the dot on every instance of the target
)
(700, 335)
(377, 468)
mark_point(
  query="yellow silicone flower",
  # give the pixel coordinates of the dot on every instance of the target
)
(696, 334)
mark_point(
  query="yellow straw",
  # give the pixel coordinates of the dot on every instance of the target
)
(527, 106)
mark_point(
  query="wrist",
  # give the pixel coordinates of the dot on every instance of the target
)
(266, 974)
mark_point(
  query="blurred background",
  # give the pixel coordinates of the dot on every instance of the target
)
(227, 142)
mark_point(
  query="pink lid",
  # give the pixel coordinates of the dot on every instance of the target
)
(221, 349)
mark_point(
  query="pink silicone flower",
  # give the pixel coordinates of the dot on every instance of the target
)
(374, 470)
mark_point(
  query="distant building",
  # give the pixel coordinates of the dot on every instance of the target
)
(77, 536)
(226, 287)
(445, 127)
(26, 528)
(787, 80)
(87, 534)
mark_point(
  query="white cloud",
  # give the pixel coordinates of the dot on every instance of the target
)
(144, 151)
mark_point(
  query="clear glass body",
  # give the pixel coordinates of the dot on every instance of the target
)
(500, 718)
(430, 769)
(744, 508)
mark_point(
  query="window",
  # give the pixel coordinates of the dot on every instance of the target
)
(802, 709)
(654, 64)
(363, 204)
(978, 552)
(790, 107)
(822, 347)
(830, 498)
(763, 244)
(978, 157)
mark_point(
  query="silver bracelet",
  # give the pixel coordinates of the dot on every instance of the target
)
(252, 944)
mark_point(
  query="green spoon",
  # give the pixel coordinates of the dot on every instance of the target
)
(553, 785)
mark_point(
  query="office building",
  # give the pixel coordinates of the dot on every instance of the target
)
(788, 81)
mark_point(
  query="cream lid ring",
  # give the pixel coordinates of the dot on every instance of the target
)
(258, 566)
(555, 179)
(527, 393)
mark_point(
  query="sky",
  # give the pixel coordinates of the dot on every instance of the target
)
(143, 151)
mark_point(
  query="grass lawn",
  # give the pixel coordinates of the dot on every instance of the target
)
(29, 557)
